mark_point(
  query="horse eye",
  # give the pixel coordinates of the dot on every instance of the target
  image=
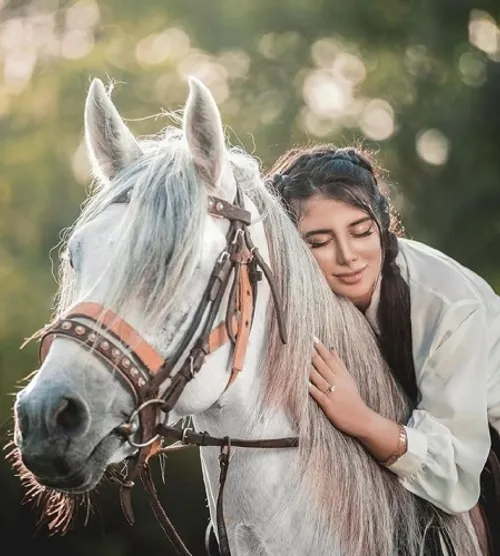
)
(69, 258)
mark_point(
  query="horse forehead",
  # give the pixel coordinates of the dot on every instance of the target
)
(99, 235)
(100, 226)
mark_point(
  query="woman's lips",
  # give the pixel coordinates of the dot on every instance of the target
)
(350, 277)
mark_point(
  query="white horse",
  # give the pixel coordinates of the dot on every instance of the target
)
(149, 260)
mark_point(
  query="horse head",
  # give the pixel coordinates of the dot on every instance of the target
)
(129, 335)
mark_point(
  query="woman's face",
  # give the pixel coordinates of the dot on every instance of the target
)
(345, 241)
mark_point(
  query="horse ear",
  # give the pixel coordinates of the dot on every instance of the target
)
(204, 134)
(110, 144)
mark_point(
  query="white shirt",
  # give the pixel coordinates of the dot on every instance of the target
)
(455, 318)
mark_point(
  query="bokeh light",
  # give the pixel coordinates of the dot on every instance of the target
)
(433, 147)
(472, 69)
(377, 120)
(484, 32)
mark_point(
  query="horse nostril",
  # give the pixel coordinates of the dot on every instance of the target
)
(70, 415)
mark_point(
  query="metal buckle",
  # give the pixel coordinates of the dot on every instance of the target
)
(237, 236)
(129, 428)
(223, 256)
(184, 433)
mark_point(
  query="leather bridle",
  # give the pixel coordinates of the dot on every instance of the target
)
(151, 379)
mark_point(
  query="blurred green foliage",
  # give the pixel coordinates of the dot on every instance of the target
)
(416, 81)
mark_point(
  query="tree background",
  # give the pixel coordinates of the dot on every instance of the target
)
(416, 81)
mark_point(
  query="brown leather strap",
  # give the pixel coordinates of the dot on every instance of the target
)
(190, 436)
(122, 332)
(46, 340)
(126, 502)
(245, 321)
(111, 355)
(219, 336)
(224, 459)
(274, 291)
(160, 514)
(221, 208)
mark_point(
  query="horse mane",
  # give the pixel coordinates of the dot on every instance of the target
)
(358, 500)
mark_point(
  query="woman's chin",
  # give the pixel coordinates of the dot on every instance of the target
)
(358, 294)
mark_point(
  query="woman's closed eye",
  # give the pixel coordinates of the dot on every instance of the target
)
(314, 243)
(363, 229)
(357, 230)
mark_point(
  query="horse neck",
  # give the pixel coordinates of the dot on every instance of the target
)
(258, 479)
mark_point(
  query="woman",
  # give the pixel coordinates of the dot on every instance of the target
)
(437, 322)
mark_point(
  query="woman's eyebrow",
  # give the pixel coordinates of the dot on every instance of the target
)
(330, 230)
(320, 231)
(360, 221)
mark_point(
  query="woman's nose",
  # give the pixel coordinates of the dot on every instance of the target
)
(346, 253)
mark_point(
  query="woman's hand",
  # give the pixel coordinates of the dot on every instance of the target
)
(336, 392)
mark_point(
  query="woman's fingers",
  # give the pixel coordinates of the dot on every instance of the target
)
(321, 365)
(317, 394)
(330, 357)
(319, 381)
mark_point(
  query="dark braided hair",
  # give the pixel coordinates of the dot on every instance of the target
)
(348, 175)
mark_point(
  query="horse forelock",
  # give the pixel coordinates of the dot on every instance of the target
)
(161, 237)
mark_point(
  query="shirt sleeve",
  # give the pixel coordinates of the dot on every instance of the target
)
(448, 436)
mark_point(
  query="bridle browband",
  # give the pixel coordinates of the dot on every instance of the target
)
(151, 379)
